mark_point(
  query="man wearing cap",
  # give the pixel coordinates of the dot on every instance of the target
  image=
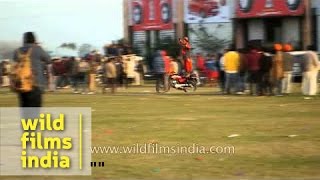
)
(287, 69)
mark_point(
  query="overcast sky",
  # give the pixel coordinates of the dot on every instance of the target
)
(56, 21)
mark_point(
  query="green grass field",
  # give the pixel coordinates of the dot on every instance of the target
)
(138, 115)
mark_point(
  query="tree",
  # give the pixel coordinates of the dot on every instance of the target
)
(121, 41)
(7, 49)
(72, 46)
(85, 49)
(208, 42)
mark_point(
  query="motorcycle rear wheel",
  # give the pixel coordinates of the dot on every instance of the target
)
(160, 89)
(192, 87)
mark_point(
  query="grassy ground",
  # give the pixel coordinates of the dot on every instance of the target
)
(263, 149)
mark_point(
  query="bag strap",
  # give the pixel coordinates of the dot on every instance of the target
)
(29, 52)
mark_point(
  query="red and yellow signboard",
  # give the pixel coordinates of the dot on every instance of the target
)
(269, 8)
(152, 15)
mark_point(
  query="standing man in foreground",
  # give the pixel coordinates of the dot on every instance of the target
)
(287, 69)
(310, 72)
(28, 73)
(277, 73)
(254, 58)
(111, 75)
(159, 71)
(231, 66)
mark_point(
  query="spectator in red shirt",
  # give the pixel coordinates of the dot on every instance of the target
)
(254, 57)
(200, 63)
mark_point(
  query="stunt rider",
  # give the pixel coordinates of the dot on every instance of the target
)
(185, 52)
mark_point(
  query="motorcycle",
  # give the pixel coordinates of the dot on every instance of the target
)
(185, 83)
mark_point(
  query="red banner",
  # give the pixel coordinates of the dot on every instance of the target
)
(152, 15)
(267, 8)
